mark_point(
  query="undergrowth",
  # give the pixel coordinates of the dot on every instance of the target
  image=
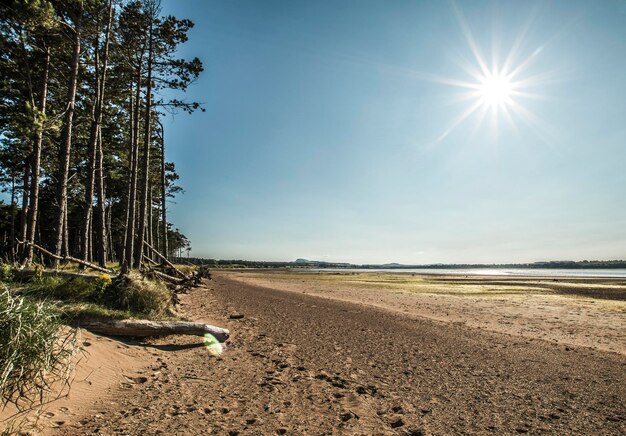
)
(85, 296)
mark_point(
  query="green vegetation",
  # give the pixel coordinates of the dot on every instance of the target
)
(138, 295)
(84, 296)
(35, 350)
(83, 87)
(405, 282)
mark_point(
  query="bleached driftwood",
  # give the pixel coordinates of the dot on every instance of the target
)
(143, 328)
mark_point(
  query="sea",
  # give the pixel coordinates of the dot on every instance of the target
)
(533, 272)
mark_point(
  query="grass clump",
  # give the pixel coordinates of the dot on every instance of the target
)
(136, 294)
(35, 350)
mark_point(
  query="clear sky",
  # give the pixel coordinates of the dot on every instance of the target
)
(368, 132)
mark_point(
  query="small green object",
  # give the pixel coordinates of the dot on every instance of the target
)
(212, 344)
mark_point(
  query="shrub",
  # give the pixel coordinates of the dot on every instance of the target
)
(35, 351)
(102, 283)
(69, 289)
(45, 287)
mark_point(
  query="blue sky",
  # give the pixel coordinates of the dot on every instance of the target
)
(331, 131)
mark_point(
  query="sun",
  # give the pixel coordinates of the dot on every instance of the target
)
(495, 90)
(498, 87)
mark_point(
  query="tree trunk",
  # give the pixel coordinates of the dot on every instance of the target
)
(71, 259)
(127, 244)
(142, 328)
(66, 233)
(128, 259)
(37, 145)
(141, 233)
(90, 252)
(102, 234)
(164, 260)
(95, 139)
(111, 251)
(164, 249)
(25, 190)
(96, 114)
(157, 230)
(66, 140)
(150, 221)
(13, 210)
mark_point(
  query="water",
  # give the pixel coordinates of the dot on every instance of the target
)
(533, 272)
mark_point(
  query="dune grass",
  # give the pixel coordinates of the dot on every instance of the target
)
(35, 349)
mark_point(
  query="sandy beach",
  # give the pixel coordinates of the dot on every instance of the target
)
(315, 353)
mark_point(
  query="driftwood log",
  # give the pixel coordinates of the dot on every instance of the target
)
(144, 328)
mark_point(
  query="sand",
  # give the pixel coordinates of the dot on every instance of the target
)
(336, 354)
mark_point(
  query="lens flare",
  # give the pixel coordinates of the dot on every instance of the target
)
(214, 346)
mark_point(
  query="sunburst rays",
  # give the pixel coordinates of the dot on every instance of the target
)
(498, 91)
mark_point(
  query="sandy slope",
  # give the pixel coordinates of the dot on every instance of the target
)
(100, 368)
(300, 364)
